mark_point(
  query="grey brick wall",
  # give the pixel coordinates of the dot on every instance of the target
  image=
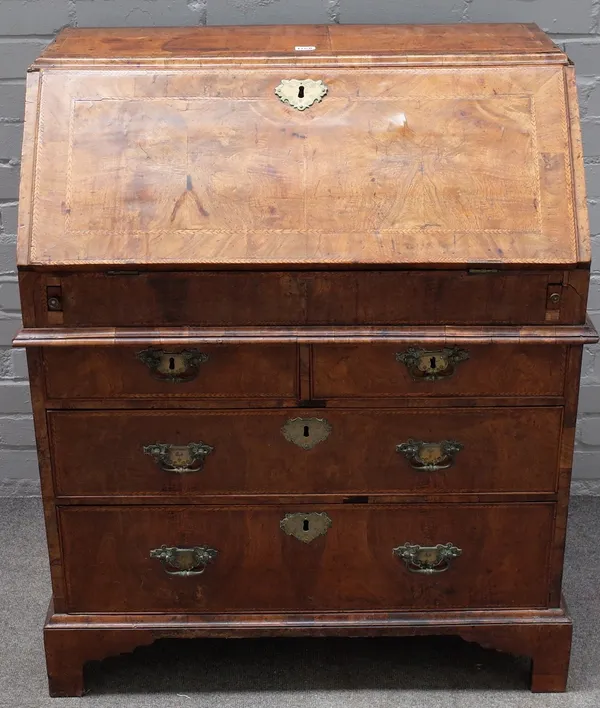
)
(26, 26)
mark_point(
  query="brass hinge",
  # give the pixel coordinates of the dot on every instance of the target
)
(482, 271)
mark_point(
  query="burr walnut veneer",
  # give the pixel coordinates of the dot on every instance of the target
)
(304, 310)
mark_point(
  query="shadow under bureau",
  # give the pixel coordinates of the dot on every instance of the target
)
(304, 310)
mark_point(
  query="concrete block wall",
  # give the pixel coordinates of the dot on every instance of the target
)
(27, 26)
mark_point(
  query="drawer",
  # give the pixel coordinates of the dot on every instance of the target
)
(233, 299)
(425, 451)
(258, 558)
(385, 370)
(227, 371)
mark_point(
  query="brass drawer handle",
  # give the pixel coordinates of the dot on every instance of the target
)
(175, 367)
(430, 456)
(179, 459)
(427, 559)
(301, 93)
(184, 562)
(431, 365)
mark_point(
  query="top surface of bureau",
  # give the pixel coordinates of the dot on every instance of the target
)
(424, 147)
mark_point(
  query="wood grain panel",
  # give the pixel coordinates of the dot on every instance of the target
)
(160, 44)
(509, 450)
(229, 372)
(434, 198)
(491, 370)
(234, 299)
(542, 635)
(259, 567)
(234, 176)
(430, 336)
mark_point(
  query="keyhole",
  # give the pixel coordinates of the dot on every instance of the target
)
(171, 363)
(305, 525)
(301, 92)
(306, 433)
(432, 362)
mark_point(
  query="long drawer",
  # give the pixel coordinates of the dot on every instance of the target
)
(196, 559)
(424, 451)
(311, 298)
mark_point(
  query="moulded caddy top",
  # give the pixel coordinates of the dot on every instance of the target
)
(194, 43)
(425, 146)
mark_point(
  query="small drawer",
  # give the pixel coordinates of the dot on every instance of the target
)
(295, 558)
(227, 371)
(385, 370)
(366, 452)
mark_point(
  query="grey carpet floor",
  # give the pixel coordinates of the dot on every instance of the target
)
(289, 673)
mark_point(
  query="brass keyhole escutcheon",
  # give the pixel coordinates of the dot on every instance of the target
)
(306, 432)
(176, 367)
(433, 365)
(301, 93)
(306, 527)
(172, 365)
(428, 365)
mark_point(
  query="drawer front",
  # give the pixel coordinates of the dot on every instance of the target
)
(421, 370)
(423, 451)
(210, 372)
(286, 298)
(257, 558)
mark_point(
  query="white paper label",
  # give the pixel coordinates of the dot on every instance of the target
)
(305, 49)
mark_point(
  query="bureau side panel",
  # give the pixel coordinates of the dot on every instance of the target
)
(36, 382)
(572, 376)
(582, 225)
(28, 155)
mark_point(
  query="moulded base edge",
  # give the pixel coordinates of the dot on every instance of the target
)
(542, 635)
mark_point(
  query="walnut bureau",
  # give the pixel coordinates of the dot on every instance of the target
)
(304, 310)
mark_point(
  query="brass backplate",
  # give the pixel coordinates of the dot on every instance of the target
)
(430, 456)
(427, 560)
(306, 527)
(179, 458)
(184, 562)
(306, 432)
(431, 453)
